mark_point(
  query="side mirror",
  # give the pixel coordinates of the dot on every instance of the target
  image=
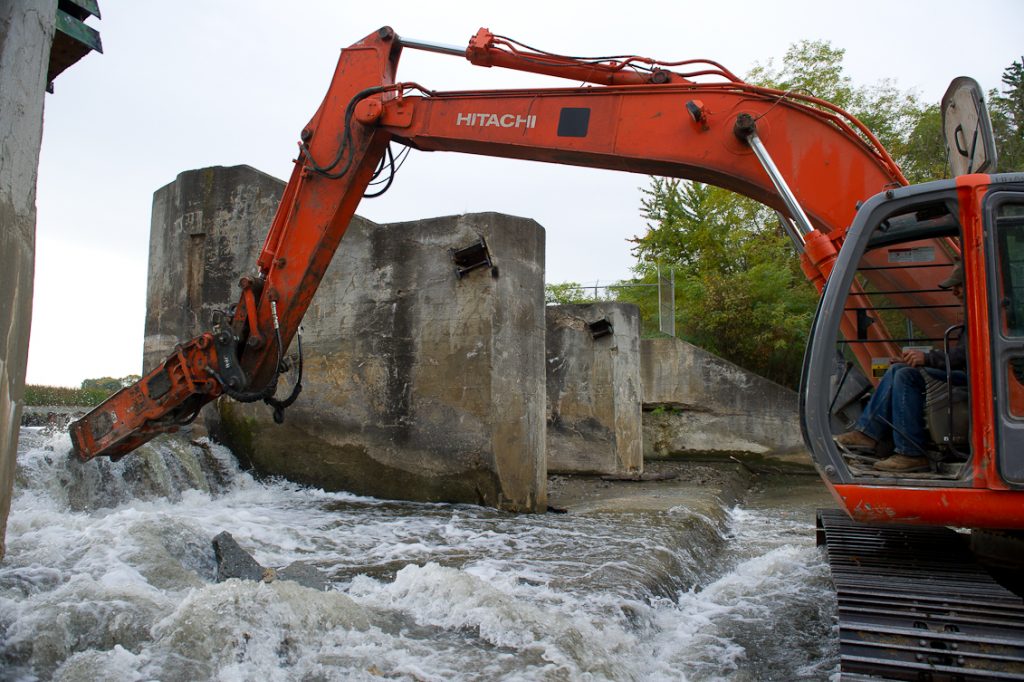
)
(970, 144)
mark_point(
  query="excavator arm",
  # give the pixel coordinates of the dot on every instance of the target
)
(244, 356)
(639, 116)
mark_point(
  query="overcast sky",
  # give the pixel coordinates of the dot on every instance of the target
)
(194, 83)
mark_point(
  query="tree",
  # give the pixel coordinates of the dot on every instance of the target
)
(690, 225)
(894, 116)
(739, 291)
(110, 384)
(105, 383)
(1007, 112)
(566, 292)
(924, 154)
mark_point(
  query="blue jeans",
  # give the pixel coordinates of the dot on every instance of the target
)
(896, 408)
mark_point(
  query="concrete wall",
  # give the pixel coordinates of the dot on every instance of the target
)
(696, 402)
(207, 228)
(593, 389)
(421, 385)
(418, 384)
(26, 33)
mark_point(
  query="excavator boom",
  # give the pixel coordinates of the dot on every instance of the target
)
(642, 117)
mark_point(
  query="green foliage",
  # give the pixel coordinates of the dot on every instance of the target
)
(644, 297)
(739, 291)
(811, 67)
(564, 293)
(1007, 112)
(924, 153)
(92, 392)
(45, 396)
(758, 317)
(689, 225)
(110, 384)
(814, 67)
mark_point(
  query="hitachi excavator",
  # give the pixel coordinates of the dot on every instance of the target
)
(913, 604)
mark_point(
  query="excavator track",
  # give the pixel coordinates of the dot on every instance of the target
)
(913, 604)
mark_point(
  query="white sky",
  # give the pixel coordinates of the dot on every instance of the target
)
(195, 83)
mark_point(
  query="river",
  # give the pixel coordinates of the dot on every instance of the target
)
(110, 574)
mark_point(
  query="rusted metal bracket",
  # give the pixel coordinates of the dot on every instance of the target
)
(472, 257)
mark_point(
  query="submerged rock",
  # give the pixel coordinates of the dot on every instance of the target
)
(304, 574)
(235, 562)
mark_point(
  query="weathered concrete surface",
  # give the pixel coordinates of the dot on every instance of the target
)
(706, 488)
(418, 385)
(207, 228)
(593, 389)
(696, 402)
(56, 416)
(26, 33)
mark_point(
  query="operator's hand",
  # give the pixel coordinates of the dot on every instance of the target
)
(913, 358)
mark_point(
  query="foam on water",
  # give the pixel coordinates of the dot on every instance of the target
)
(110, 575)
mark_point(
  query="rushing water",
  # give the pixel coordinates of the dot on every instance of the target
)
(110, 575)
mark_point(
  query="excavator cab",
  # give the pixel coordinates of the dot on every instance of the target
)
(884, 297)
(896, 302)
(890, 291)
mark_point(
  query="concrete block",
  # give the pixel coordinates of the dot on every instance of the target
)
(207, 228)
(697, 402)
(418, 384)
(593, 389)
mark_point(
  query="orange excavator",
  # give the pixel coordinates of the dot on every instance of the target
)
(875, 247)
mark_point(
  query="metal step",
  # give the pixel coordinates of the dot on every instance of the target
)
(913, 604)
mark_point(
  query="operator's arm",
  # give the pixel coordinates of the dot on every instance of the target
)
(957, 357)
(936, 358)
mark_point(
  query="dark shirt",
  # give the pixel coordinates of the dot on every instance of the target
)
(957, 356)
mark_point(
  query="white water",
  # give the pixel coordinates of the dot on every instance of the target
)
(110, 573)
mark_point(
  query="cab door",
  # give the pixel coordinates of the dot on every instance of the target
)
(1003, 215)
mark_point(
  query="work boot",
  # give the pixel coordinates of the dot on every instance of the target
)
(856, 441)
(903, 464)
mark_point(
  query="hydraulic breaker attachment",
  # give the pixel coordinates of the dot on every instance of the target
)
(165, 399)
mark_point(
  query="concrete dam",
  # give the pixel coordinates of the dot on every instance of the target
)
(433, 370)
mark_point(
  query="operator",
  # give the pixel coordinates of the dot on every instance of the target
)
(896, 409)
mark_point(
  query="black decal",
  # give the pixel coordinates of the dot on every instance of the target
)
(159, 385)
(573, 122)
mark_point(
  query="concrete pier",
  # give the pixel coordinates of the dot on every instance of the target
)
(424, 375)
(420, 384)
(26, 32)
(593, 388)
(38, 42)
(434, 372)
